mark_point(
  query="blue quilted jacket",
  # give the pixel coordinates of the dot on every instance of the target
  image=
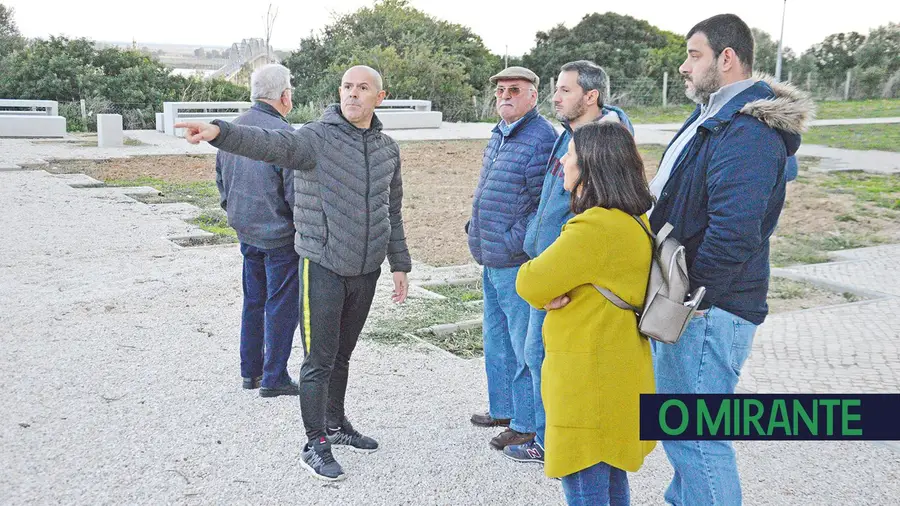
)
(509, 188)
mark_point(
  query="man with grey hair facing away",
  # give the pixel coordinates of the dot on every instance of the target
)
(259, 200)
(347, 214)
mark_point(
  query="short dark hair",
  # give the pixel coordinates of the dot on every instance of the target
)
(590, 77)
(612, 171)
(728, 30)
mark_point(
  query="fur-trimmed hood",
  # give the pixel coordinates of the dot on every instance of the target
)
(791, 110)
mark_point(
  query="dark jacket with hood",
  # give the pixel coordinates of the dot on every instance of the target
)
(347, 184)
(726, 191)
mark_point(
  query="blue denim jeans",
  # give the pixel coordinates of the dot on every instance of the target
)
(271, 312)
(706, 360)
(510, 393)
(598, 485)
(534, 358)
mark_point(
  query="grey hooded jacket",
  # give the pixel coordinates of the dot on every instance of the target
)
(348, 189)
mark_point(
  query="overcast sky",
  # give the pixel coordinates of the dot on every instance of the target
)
(500, 23)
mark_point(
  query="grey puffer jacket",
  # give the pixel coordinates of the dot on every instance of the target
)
(348, 189)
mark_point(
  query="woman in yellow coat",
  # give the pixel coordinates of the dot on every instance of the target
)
(596, 363)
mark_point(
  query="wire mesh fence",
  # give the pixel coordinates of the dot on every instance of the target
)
(81, 116)
(641, 92)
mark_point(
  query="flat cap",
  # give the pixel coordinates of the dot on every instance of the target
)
(516, 73)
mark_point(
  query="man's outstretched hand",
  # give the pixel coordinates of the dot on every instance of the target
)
(196, 132)
(401, 287)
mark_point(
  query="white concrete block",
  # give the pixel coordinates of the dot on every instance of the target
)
(407, 119)
(160, 122)
(32, 126)
(109, 131)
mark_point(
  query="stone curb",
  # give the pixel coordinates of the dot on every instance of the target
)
(449, 328)
(829, 285)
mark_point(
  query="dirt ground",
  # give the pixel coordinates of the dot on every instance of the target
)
(174, 169)
(439, 182)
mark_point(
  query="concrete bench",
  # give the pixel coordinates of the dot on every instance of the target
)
(31, 118)
(404, 120)
(408, 114)
(15, 107)
(176, 112)
(417, 105)
(32, 126)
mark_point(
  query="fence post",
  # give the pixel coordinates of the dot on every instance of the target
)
(847, 85)
(665, 96)
(790, 76)
(83, 114)
(475, 104)
(809, 81)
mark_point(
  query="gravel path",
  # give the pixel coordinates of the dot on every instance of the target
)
(121, 385)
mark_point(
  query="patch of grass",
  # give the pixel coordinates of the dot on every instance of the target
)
(860, 137)
(851, 297)
(129, 141)
(789, 295)
(215, 221)
(651, 153)
(466, 343)
(883, 191)
(781, 288)
(794, 250)
(659, 114)
(825, 110)
(417, 314)
(463, 293)
(388, 338)
(203, 194)
(858, 109)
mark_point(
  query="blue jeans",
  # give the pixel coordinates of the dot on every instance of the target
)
(598, 485)
(271, 312)
(534, 358)
(510, 393)
(706, 360)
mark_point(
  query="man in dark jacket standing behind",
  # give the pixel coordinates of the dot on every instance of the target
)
(721, 185)
(259, 200)
(506, 198)
(348, 193)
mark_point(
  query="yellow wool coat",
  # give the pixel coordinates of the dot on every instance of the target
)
(596, 363)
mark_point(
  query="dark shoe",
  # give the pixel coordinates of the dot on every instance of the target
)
(289, 388)
(511, 437)
(252, 383)
(485, 420)
(318, 460)
(528, 452)
(346, 435)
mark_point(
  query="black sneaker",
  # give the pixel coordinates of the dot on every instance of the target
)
(252, 383)
(318, 460)
(288, 388)
(346, 435)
